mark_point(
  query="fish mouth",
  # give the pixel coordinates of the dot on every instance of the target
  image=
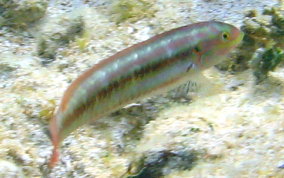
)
(236, 42)
(240, 37)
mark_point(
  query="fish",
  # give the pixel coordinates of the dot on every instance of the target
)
(150, 67)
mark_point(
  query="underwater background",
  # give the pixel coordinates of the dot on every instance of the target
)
(228, 124)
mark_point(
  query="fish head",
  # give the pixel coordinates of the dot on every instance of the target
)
(221, 39)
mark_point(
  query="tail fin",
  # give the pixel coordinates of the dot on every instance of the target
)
(54, 158)
(54, 134)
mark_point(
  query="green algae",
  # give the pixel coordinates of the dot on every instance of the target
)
(47, 110)
(83, 40)
(262, 31)
(265, 62)
(277, 32)
(131, 10)
(20, 14)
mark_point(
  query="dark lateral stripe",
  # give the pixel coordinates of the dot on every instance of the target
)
(139, 71)
(158, 55)
(70, 91)
(123, 83)
(118, 79)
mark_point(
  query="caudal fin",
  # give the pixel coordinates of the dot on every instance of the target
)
(54, 157)
(55, 141)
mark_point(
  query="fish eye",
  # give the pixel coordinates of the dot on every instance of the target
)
(197, 49)
(225, 36)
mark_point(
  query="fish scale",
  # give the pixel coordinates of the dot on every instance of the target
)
(147, 68)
